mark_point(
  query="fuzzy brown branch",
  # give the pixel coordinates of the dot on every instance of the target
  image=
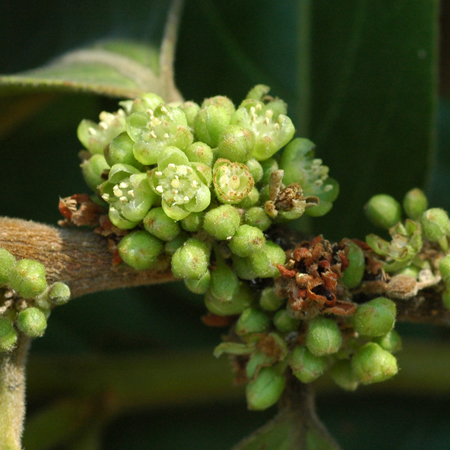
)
(79, 258)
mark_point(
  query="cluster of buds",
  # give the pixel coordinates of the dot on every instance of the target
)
(25, 299)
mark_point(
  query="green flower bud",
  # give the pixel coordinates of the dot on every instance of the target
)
(32, 322)
(224, 282)
(172, 246)
(446, 298)
(140, 249)
(436, 226)
(258, 92)
(343, 375)
(222, 222)
(232, 181)
(200, 152)
(8, 335)
(200, 286)
(252, 320)
(265, 390)
(255, 168)
(415, 203)
(236, 144)
(220, 100)
(257, 217)
(383, 211)
(411, 271)
(7, 264)
(284, 322)
(93, 169)
(154, 130)
(444, 269)
(323, 336)
(372, 364)
(268, 166)
(392, 342)
(250, 200)
(28, 278)
(193, 222)
(355, 271)
(191, 260)
(375, 318)
(244, 298)
(144, 102)
(320, 209)
(247, 241)
(210, 123)
(59, 294)
(120, 151)
(191, 110)
(306, 366)
(160, 225)
(264, 262)
(270, 301)
(243, 268)
(257, 361)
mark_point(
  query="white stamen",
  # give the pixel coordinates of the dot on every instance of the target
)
(266, 121)
(121, 112)
(258, 106)
(318, 182)
(92, 131)
(106, 116)
(131, 193)
(103, 125)
(149, 112)
(152, 134)
(277, 126)
(166, 135)
(194, 183)
(158, 174)
(171, 166)
(174, 191)
(189, 169)
(328, 187)
(123, 199)
(159, 189)
(269, 114)
(123, 185)
(105, 197)
(186, 198)
(175, 183)
(164, 110)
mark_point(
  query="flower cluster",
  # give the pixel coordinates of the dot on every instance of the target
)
(25, 299)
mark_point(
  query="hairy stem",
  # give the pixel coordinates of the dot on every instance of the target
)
(12, 394)
(79, 258)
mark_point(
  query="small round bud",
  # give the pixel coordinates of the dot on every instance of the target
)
(7, 264)
(415, 203)
(323, 336)
(255, 168)
(355, 271)
(268, 166)
(242, 300)
(193, 222)
(436, 226)
(392, 342)
(140, 249)
(59, 294)
(120, 151)
(265, 390)
(32, 322)
(252, 320)
(200, 152)
(284, 322)
(220, 100)
(28, 278)
(190, 109)
(264, 262)
(257, 217)
(172, 246)
(375, 318)
(93, 169)
(236, 144)
(210, 123)
(270, 301)
(247, 241)
(306, 366)
(191, 260)
(372, 364)
(343, 375)
(200, 286)
(444, 269)
(224, 282)
(222, 222)
(158, 223)
(8, 335)
(250, 200)
(383, 211)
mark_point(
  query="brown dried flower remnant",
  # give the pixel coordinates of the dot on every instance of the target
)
(310, 279)
(79, 210)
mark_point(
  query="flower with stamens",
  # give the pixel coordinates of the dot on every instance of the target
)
(232, 181)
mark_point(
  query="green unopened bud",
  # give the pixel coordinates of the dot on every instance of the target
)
(355, 271)
(93, 169)
(343, 375)
(247, 241)
(158, 223)
(191, 260)
(265, 390)
(383, 211)
(372, 364)
(436, 226)
(200, 152)
(8, 335)
(255, 168)
(191, 110)
(32, 322)
(236, 144)
(252, 320)
(257, 217)
(210, 123)
(28, 278)
(257, 361)
(268, 166)
(172, 246)
(306, 366)
(444, 269)
(7, 264)
(250, 200)
(140, 249)
(200, 286)
(120, 151)
(59, 294)
(193, 222)
(222, 222)
(270, 301)
(224, 282)
(392, 342)
(242, 300)
(220, 100)
(415, 203)
(323, 336)
(375, 318)
(264, 262)
(284, 322)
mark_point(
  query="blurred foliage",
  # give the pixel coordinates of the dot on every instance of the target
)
(360, 80)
